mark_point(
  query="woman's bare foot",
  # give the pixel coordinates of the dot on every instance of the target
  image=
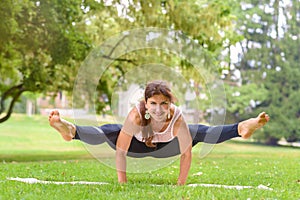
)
(65, 128)
(248, 127)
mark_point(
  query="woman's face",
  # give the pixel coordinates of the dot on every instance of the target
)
(158, 107)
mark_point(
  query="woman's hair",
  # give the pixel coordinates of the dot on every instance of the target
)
(152, 88)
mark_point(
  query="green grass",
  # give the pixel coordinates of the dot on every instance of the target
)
(30, 148)
(30, 138)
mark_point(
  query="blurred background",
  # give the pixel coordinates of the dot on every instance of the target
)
(252, 46)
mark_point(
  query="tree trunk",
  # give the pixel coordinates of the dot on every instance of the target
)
(14, 93)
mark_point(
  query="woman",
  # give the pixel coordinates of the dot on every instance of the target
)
(155, 127)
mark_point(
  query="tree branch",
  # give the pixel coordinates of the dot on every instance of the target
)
(120, 59)
(114, 48)
(15, 92)
(118, 43)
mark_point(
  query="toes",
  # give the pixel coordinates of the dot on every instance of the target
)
(55, 112)
(262, 115)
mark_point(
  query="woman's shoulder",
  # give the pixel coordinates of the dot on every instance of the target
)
(177, 114)
(175, 110)
(134, 115)
(173, 106)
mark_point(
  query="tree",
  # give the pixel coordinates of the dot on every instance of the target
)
(284, 80)
(270, 59)
(40, 45)
(209, 23)
(44, 42)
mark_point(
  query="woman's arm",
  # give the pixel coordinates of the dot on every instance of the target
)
(131, 126)
(185, 144)
(123, 143)
(185, 164)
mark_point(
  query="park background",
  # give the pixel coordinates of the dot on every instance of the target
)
(252, 46)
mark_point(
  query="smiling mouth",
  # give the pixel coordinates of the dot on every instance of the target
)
(159, 115)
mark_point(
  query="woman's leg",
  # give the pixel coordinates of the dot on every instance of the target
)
(88, 134)
(213, 134)
(97, 135)
(218, 134)
(108, 133)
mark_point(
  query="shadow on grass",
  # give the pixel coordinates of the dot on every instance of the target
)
(260, 144)
(81, 155)
(33, 157)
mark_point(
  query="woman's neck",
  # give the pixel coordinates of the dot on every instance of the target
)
(159, 126)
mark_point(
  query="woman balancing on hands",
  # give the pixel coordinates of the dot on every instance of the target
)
(155, 127)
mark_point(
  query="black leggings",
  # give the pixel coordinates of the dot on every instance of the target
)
(110, 132)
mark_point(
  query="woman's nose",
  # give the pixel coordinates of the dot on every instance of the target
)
(158, 108)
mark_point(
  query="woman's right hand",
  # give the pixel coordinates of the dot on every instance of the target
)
(123, 144)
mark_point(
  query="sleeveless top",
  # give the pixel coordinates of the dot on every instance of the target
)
(166, 135)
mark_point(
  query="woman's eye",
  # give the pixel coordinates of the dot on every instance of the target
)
(153, 103)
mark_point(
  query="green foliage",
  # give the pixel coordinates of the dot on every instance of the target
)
(44, 42)
(41, 47)
(270, 60)
(283, 104)
(239, 100)
(157, 14)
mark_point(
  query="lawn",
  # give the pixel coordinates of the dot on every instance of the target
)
(29, 148)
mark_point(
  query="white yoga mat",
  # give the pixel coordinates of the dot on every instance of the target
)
(34, 180)
(237, 187)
